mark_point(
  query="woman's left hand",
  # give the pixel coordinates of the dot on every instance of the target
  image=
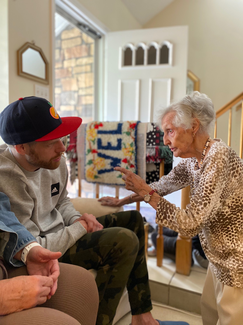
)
(133, 182)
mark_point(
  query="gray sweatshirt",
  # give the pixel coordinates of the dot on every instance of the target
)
(40, 202)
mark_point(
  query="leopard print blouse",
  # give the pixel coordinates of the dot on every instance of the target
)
(215, 211)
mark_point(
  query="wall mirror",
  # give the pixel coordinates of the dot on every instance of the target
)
(32, 63)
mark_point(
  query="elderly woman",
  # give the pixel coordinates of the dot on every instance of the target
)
(215, 174)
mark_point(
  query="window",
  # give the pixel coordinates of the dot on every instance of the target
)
(152, 54)
(164, 55)
(74, 71)
(74, 82)
(128, 56)
(140, 56)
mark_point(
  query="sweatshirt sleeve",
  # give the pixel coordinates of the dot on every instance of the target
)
(204, 203)
(63, 239)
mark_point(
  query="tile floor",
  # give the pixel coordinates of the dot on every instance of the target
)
(173, 289)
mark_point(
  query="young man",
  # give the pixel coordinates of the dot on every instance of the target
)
(34, 176)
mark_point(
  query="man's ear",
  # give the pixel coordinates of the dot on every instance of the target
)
(20, 148)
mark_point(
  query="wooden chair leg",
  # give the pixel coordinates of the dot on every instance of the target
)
(160, 238)
(146, 231)
(97, 190)
(79, 182)
(117, 192)
(184, 244)
(160, 246)
(183, 255)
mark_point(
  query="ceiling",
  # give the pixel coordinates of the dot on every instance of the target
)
(144, 10)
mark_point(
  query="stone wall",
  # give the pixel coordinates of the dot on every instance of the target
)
(74, 73)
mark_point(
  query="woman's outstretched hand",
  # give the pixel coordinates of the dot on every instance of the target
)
(133, 182)
(110, 201)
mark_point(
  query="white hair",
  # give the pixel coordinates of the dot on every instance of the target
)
(196, 105)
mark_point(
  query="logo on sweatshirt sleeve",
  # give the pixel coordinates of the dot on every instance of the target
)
(55, 189)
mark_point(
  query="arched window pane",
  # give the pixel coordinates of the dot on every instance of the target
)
(152, 55)
(164, 55)
(127, 56)
(140, 56)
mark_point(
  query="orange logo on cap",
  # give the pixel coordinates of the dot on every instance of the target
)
(53, 113)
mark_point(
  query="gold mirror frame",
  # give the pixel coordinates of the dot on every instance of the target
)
(21, 73)
(195, 80)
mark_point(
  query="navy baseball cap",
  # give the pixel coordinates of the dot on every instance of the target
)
(34, 119)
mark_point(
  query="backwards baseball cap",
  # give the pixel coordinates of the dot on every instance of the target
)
(34, 119)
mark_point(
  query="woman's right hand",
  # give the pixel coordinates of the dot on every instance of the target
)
(110, 201)
(24, 292)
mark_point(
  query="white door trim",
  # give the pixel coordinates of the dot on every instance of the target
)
(78, 11)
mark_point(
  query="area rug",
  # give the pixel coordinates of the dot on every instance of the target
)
(107, 145)
(167, 313)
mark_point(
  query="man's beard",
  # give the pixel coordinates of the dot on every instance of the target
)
(34, 160)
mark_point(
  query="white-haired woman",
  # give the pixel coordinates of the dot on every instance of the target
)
(215, 173)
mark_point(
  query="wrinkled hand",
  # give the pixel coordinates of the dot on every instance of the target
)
(110, 201)
(41, 261)
(24, 292)
(133, 182)
(91, 222)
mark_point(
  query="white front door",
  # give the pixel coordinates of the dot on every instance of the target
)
(139, 79)
(144, 70)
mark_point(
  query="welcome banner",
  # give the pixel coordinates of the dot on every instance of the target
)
(110, 144)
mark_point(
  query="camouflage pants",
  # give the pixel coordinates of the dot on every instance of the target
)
(117, 253)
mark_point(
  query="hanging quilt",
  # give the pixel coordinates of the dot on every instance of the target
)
(156, 150)
(107, 145)
(152, 172)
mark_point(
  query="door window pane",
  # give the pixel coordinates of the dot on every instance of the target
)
(127, 56)
(140, 56)
(152, 55)
(164, 54)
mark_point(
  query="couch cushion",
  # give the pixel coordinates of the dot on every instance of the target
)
(92, 206)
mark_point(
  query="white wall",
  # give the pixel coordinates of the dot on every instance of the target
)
(32, 20)
(215, 52)
(215, 39)
(29, 20)
(112, 13)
